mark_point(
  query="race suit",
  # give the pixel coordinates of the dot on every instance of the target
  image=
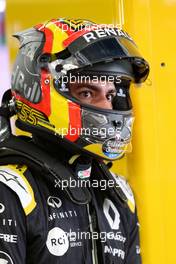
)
(40, 224)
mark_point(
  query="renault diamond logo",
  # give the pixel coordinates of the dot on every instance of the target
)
(113, 219)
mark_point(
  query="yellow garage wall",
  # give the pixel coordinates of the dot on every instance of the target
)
(151, 167)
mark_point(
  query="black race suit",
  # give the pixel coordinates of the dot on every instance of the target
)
(39, 224)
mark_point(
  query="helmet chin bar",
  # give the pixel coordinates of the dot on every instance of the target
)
(113, 130)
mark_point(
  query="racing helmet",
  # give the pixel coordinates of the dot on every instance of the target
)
(61, 51)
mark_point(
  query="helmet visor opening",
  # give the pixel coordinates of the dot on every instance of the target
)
(107, 49)
(99, 93)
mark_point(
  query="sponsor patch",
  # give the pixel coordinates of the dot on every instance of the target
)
(8, 238)
(57, 242)
(5, 258)
(83, 174)
(16, 181)
(54, 202)
(113, 220)
(115, 252)
(2, 208)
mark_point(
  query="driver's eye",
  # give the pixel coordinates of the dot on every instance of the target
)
(85, 94)
(110, 97)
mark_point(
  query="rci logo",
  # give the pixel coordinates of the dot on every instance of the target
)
(57, 242)
(5, 258)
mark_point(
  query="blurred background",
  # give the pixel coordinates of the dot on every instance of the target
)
(151, 167)
(4, 53)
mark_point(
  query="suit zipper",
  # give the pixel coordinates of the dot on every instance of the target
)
(94, 246)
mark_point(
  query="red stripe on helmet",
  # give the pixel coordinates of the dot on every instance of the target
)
(64, 27)
(75, 122)
(48, 38)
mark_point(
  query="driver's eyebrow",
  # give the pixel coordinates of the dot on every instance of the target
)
(93, 87)
(88, 85)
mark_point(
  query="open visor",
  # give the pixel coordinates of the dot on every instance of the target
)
(103, 49)
(119, 53)
(111, 55)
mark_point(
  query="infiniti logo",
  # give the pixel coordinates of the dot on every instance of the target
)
(54, 202)
(2, 208)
